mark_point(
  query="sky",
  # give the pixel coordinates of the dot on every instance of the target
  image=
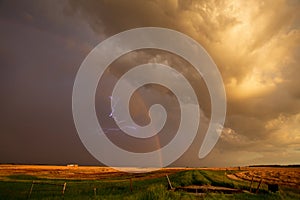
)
(255, 45)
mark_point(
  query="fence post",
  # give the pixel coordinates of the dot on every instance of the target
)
(251, 184)
(31, 188)
(95, 192)
(130, 184)
(64, 188)
(258, 186)
(169, 182)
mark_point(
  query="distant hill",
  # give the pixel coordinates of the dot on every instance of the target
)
(283, 166)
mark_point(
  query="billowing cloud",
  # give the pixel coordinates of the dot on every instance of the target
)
(255, 44)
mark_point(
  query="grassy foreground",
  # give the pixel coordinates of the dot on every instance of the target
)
(143, 187)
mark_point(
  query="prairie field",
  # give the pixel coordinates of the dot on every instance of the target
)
(282, 176)
(91, 182)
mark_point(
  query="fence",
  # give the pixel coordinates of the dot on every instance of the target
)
(36, 187)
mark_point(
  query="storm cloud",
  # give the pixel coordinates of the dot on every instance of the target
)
(255, 45)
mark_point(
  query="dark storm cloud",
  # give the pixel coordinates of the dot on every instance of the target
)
(40, 51)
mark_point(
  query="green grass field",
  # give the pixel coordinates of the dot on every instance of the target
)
(18, 187)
